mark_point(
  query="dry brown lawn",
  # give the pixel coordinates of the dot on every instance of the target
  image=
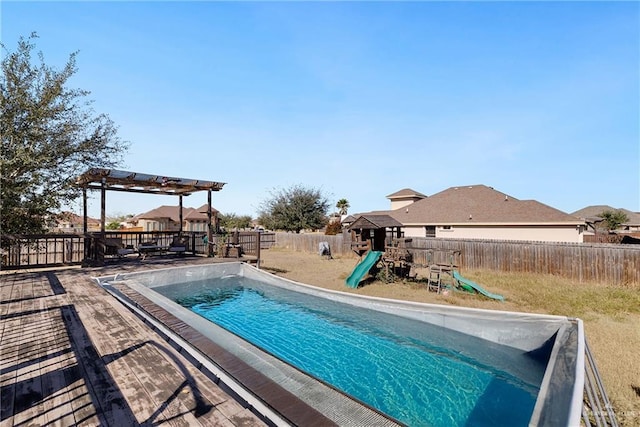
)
(611, 314)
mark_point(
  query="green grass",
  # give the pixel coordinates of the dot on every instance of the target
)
(556, 295)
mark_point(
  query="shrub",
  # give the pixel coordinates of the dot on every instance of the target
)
(333, 228)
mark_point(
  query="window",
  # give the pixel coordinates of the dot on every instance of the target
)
(430, 231)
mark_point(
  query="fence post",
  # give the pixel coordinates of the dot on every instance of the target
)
(258, 244)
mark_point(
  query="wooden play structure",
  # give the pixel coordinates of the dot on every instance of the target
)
(398, 260)
(441, 264)
(391, 256)
(369, 233)
(381, 235)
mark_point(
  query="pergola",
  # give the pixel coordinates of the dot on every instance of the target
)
(134, 182)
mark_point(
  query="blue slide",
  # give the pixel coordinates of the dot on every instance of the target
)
(474, 286)
(363, 268)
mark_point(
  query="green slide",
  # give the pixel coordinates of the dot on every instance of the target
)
(363, 268)
(470, 286)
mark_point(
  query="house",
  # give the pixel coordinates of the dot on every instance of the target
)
(591, 214)
(348, 220)
(404, 197)
(481, 212)
(68, 222)
(167, 218)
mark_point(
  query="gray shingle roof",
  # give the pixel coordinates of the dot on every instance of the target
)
(76, 219)
(406, 193)
(479, 204)
(595, 210)
(173, 213)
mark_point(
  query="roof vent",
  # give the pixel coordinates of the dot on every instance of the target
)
(506, 198)
(470, 217)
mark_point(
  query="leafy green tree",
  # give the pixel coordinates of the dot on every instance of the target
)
(114, 221)
(294, 209)
(232, 221)
(113, 225)
(613, 219)
(343, 206)
(50, 134)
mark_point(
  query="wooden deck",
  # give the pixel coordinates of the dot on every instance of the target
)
(73, 355)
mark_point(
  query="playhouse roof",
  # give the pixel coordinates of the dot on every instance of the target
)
(373, 222)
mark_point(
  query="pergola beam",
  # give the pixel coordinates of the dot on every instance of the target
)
(134, 182)
(149, 190)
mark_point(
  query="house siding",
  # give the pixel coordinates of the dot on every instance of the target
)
(151, 225)
(397, 204)
(168, 225)
(196, 226)
(550, 233)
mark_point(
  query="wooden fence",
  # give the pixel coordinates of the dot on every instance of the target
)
(311, 242)
(600, 262)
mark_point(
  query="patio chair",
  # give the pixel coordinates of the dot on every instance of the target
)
(178, 245)
(147, 248)
(115, 247)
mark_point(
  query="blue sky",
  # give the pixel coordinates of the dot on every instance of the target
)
(540, 100)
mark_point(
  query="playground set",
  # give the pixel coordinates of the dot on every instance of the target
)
(382, 250)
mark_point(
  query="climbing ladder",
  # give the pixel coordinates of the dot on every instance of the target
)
(439, 270)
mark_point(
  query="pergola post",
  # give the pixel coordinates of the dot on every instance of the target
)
(87, 240)
(84, 210)
(180, 214)
(209, 234)
(103, 217)
(103, 206)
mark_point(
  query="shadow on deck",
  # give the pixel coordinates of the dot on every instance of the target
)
(71, 355)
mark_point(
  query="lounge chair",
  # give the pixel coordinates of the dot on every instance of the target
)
(115, 247)
(147, 248)
(178, 245)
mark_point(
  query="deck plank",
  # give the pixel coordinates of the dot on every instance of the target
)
(128, 357)
(73, 355)
(28, 382)
(9, 358)
(57, 358)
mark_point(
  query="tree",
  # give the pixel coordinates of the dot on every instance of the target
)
(50, 134)
(333, 228)
(232, 221)
(113, 225)
(294, 209)
(114, 222)
(613, 219)
(343, 206)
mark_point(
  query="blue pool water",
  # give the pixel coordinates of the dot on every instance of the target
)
(417, 373)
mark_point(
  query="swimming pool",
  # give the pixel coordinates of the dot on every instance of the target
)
(416, 364)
